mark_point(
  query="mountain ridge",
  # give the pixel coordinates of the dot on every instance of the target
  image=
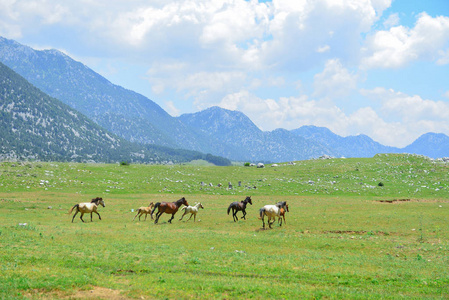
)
(220, 132)
(35, 126)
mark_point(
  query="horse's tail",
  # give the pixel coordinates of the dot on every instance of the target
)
(155, 206)
(261, 212)
(76, 205)
(229, 208)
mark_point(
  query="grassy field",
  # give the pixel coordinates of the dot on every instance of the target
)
(372, 228)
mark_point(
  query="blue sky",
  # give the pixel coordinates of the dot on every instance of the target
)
(374, 67)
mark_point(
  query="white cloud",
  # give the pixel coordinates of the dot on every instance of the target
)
(394, 48)
(446, 94)
(392, 20)
(323, 49)
(170, 107)
(285, 112)
(412, 115)
(335, 81)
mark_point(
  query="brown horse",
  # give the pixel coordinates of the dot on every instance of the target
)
(144, 210)
(169, 208)
(87, 208)
(282, 214)
(239, 206)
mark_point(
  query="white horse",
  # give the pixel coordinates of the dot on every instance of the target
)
(193, 210)
(272, 212)
(145, 210)
(87, 207)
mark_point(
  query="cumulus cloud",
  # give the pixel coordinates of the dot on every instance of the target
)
(335, 80)
(286, 112)
(398, 46)
(392, 20)
(412, 115)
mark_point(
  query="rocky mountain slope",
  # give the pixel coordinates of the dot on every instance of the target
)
(36, 126)
(121, 111)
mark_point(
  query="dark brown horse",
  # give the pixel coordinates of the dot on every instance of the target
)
(239, 206)
(169, 208)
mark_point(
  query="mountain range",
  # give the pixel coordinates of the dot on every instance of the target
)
(221, 132)
(38, 127)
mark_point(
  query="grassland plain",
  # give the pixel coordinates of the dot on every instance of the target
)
(374, 228)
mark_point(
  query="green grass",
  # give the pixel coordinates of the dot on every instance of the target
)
(340, 240)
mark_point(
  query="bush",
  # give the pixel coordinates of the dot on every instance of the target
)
(247, 164)
(124, 163)
(381, 184)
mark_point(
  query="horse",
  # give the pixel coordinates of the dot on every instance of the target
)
(282, 215)
(169, 208)
(145, 210)
(237, 206)
(87, 207)
(272, 211)
(193, 210)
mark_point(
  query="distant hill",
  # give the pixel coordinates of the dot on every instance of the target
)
(351, 146)
(430, 144)
(238, 138)
(37, 126)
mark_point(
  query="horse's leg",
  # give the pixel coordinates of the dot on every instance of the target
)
(136, 216)
(270, 223)
(172, 217)
(183, 215)
(75, 215)
(96, 213)
(244, 214)
(81, 216)
(234, 215)
(192, 214)
(146, 215)
(158, 214)
(263, 221)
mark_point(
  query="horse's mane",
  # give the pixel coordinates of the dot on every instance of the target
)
(181, 200)
(95, 200)
(281, 204)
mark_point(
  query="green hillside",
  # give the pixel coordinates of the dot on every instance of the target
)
(346, 235)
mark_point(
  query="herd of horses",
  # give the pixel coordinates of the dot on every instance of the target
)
(271, 211)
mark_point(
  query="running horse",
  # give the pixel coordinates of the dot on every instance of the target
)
(169, 208)
(193, 210)
(272, 211)
(239, 206)
(144, 210)
(87, 207)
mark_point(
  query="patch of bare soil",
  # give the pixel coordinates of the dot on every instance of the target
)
(394, 200)
(95, 293)
(98, 293)
(357, 232)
